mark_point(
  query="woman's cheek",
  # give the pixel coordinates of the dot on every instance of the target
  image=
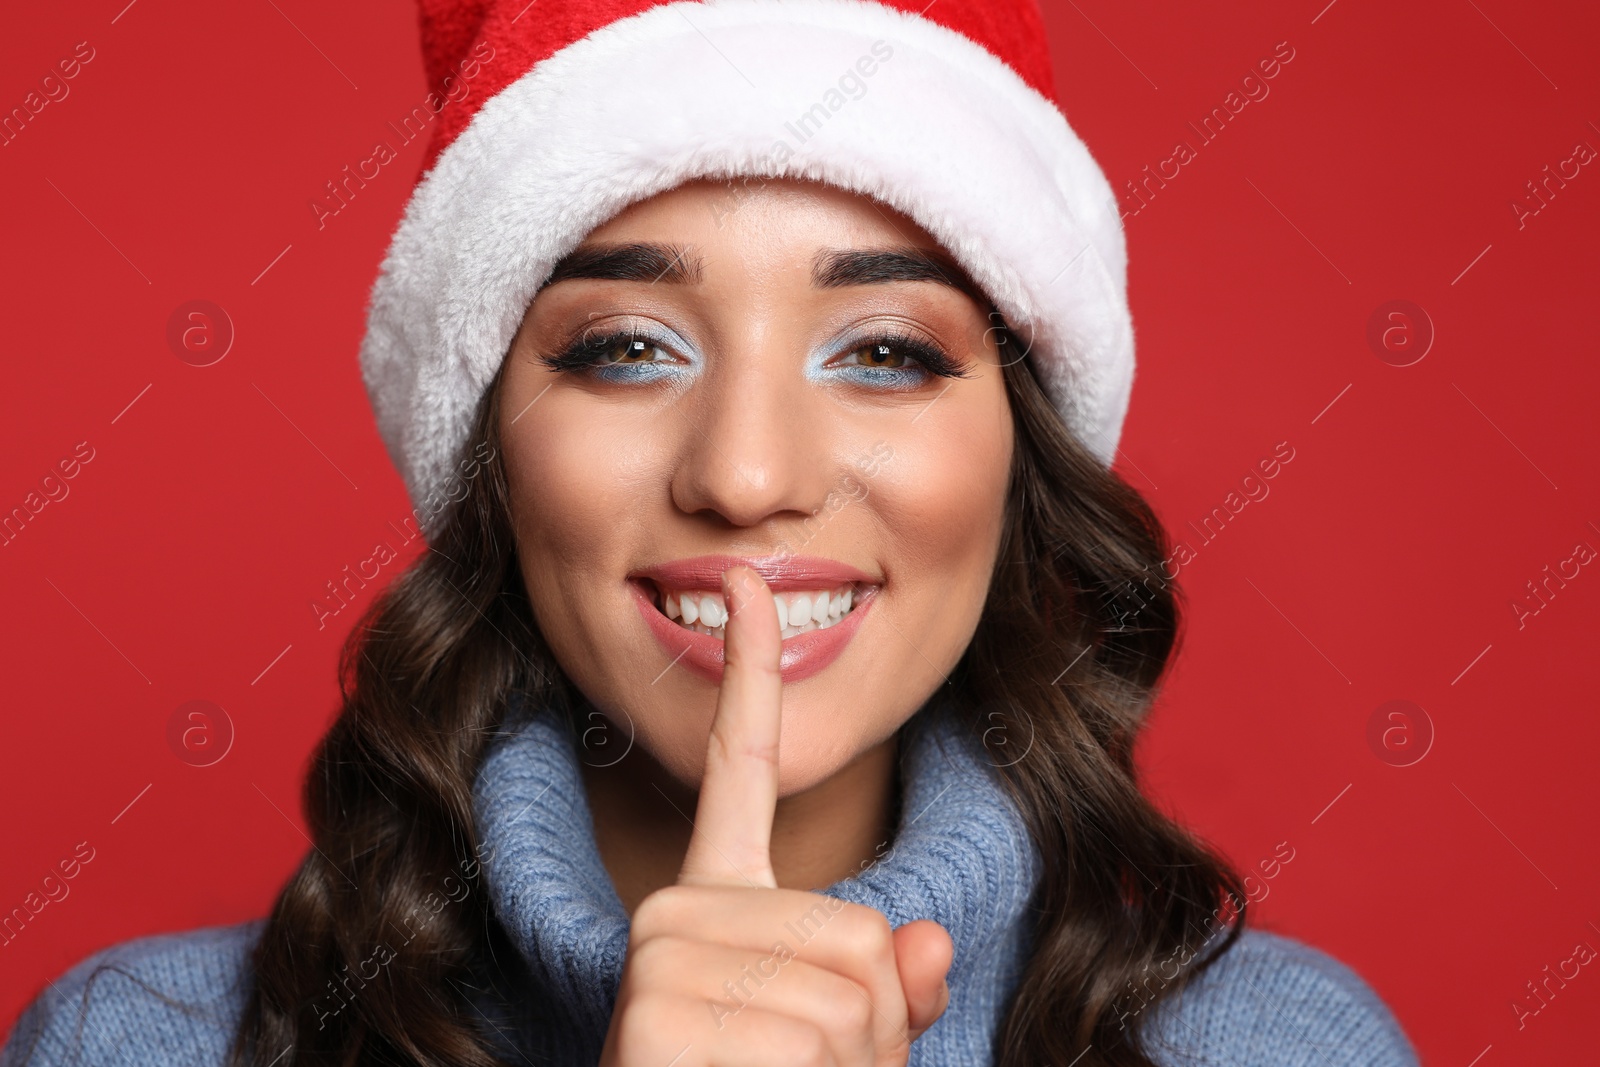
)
(576, 473)
(590, 489)
(948, 486)
(940, 506)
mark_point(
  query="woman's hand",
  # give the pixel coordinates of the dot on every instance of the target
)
(725, 968)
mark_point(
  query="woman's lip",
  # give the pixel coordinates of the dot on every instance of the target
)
(802, 656)
(781, 573)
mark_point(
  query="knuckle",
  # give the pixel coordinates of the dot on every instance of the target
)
(809, 1046)
(658, 911)
(645, 1024)
(655, 959)
(848, 1003)
(869, 930)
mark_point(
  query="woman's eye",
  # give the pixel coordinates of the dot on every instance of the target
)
(878, 354)
(616, 357)
(626, 350)
(898, 362)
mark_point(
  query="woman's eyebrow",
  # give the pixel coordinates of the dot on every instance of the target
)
(634, 262)
(834, 267)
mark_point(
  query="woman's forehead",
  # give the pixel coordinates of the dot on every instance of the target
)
(741, 205)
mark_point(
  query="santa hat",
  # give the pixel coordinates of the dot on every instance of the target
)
(564, 112)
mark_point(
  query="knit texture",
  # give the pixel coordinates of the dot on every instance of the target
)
(961, 856)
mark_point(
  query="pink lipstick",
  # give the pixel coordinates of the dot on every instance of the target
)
(822, 603)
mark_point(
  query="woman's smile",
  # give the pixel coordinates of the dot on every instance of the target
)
(821, 604)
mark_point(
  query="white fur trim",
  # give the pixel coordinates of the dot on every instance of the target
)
(945, 133)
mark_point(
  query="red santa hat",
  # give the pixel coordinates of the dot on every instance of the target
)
(570, 110)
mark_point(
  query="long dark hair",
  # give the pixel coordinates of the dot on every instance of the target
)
(1078, 629)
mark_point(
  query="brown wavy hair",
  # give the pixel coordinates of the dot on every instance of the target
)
(1077, 631)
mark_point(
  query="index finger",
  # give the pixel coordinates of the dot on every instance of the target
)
(732, 839)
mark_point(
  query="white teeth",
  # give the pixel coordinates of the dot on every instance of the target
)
(798, 612)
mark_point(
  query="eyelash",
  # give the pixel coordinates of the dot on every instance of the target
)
(588, 354)
(930, 359)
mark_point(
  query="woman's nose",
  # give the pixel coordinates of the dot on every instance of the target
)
(755, 447)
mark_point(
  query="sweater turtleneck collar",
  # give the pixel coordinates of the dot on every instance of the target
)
(961, 856)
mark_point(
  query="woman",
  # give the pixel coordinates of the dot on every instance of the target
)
(769, 689)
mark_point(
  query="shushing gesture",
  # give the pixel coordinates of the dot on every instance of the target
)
(725, 969)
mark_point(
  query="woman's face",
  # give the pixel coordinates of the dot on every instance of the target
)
(782, 373)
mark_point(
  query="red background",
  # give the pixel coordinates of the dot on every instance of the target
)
(1382, 566)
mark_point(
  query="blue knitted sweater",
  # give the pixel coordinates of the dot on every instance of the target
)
(961, 856)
